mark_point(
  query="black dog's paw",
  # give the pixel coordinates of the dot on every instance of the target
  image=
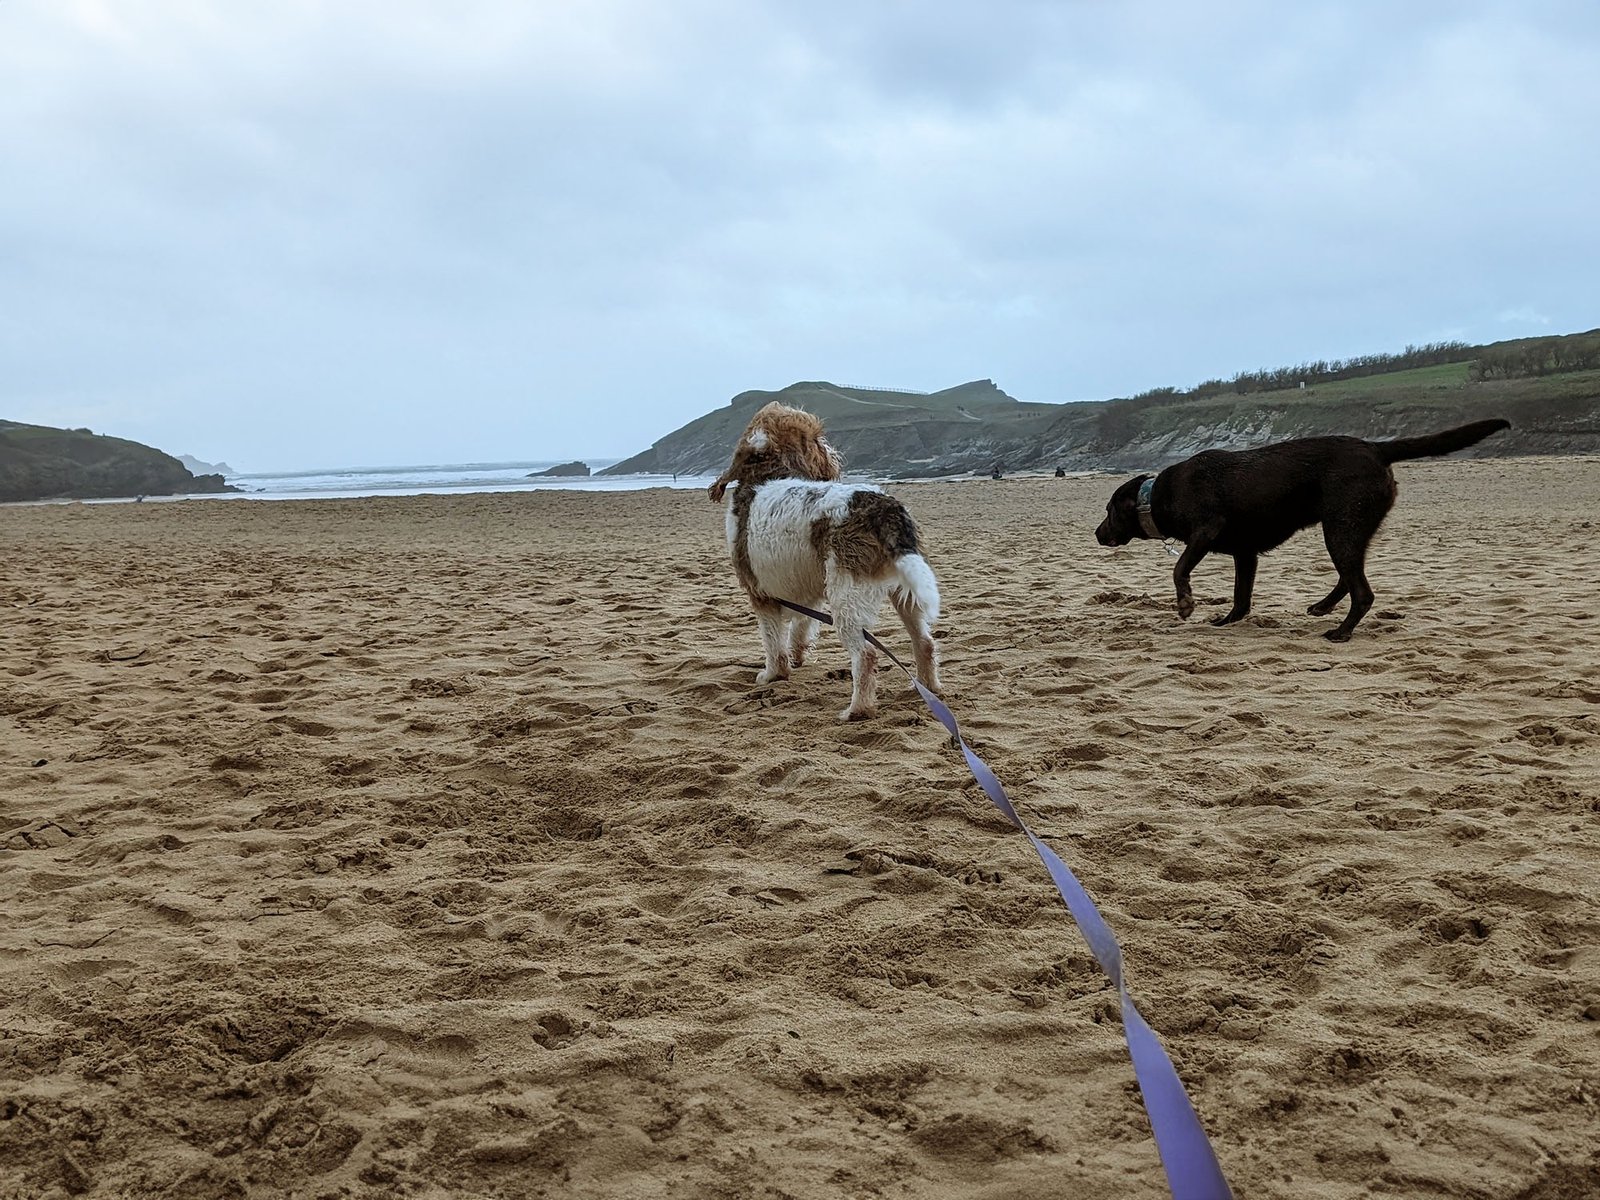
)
(1228, 618)
(1319, 609)
(1337, 634)
(1185, 607)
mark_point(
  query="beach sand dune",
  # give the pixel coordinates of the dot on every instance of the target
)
(444, 846)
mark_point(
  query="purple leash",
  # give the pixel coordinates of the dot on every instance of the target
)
(1193, 1172)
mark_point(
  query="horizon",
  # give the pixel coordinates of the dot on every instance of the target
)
(399, 235)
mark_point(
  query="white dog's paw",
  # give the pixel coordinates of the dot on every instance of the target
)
(772, 676)
(857, 714)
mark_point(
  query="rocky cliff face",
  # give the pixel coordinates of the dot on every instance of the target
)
(41, 463)
(972, 428)
(1539, 426)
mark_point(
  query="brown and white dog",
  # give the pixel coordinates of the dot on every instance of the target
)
(795, 533)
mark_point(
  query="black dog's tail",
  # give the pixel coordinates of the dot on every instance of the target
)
(1433, 444)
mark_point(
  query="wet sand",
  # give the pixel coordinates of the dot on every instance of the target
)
(444, 846)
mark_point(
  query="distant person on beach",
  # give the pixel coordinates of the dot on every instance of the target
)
(994, 472)
(1061, 472)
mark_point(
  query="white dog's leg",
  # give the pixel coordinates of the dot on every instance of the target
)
(855, 604)
(801, 634)
(770, 620)
(863, 675)
(915, 619)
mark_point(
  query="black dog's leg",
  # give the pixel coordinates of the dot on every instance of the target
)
(1196, 549)
(1327, 604)
(1348, 549)
(1244, 583)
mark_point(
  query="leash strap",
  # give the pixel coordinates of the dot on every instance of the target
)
(1193, 1172)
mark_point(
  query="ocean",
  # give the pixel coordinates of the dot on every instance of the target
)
(437, 479)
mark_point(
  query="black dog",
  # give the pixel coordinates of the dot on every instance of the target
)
(1246, 502)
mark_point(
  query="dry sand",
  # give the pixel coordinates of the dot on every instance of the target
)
(445, 847)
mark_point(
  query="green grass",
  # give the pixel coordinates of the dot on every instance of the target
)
(1444, 375)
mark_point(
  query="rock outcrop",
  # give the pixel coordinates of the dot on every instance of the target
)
(38, 462)
(198, 466)
(571, 469)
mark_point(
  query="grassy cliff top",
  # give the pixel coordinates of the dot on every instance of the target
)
(840, 404)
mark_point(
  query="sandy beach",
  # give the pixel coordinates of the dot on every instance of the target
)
(444, 847)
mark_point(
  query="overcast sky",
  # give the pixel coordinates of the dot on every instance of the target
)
(357, 232)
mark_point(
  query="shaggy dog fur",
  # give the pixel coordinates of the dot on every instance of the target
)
(795, 533)
(1247, 502)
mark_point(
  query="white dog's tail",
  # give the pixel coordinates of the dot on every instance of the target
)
(915, 579)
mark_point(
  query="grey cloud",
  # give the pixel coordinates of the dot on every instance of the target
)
(547, 230)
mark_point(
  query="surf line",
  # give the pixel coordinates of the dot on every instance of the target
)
(1190, 1163)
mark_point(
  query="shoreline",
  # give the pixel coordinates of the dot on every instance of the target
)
(630, 483)
(610, 484)
(647, 484)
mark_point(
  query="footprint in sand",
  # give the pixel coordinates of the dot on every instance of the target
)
(43, 835)
(304, 727)
(755, 701)
(779, 896)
